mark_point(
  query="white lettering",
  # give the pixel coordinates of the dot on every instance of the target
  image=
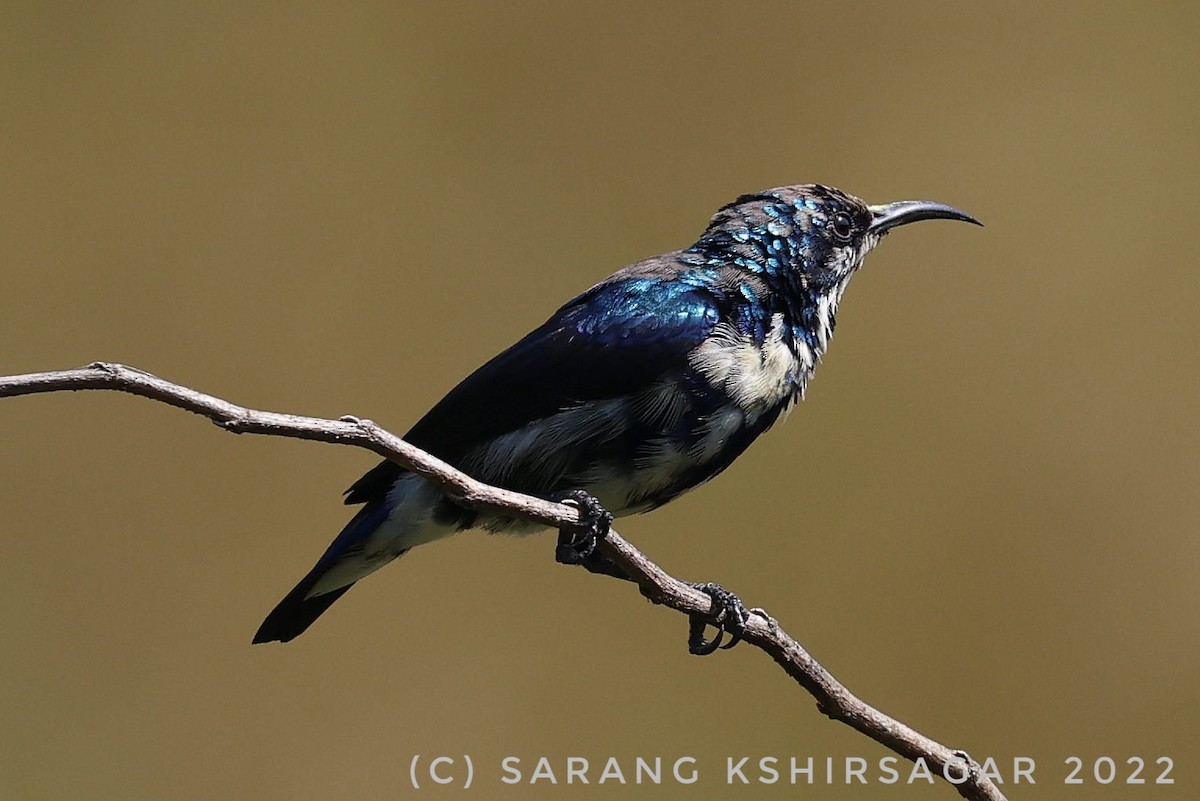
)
(577, 767)
(543, 771)
(612, 770)
(689, 778)
(433, 774)
(644, 767)
(920, 771)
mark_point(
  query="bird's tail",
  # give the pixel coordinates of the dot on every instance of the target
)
(297, 611)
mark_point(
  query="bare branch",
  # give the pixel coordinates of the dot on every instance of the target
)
(833, 699)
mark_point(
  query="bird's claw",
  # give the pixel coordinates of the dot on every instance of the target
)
(576, 544)
(730, 616)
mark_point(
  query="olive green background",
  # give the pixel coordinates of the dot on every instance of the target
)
(983, 519)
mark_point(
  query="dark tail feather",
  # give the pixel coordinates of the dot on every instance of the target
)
(295, 613)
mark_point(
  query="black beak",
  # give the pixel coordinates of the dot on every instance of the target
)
(903, 212)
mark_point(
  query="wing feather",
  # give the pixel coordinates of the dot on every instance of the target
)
(609, 342)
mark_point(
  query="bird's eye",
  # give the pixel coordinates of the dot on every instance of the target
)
(842, 225)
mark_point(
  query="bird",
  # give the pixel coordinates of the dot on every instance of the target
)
(643, 387)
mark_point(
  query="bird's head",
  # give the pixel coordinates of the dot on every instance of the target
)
(811, 236)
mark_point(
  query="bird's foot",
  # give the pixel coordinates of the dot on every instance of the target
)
(577, 544)
(730, 616)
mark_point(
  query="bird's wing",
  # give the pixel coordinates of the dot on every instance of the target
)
(613, 340)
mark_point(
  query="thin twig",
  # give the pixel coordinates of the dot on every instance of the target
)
(833, 699)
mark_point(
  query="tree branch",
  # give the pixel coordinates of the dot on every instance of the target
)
(833, 699)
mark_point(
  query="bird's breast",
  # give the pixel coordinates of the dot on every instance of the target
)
(757, 377)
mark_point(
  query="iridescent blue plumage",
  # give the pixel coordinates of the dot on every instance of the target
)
(641, 388)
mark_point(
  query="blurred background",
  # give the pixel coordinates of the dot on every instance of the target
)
(983, 519)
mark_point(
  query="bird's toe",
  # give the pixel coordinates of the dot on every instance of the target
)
(729, 615)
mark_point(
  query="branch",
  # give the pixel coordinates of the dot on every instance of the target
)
(833, 699)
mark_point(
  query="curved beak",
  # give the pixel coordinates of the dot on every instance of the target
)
(903, 212)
